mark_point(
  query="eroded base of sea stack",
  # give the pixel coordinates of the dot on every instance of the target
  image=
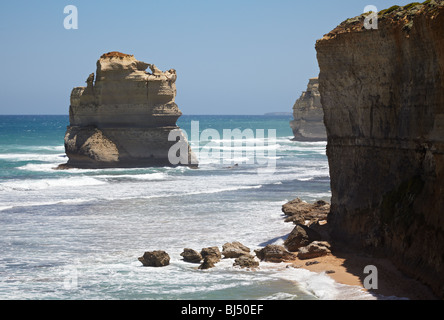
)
(89, 147)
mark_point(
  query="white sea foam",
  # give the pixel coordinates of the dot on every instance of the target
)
(302, 149)
(319, 284)
(192, 193)
(281, 296)
(100, 197)
(144, 177)
(115, 206)
(32, 157)
(30, 185)
(34, 148)
(39, 167)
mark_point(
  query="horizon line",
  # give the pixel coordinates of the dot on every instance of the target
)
(263, 114)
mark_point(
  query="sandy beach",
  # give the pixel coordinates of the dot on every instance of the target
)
(347, 267)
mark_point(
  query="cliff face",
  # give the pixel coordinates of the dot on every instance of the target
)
(308, 123)
(124, 115)
(383, 98)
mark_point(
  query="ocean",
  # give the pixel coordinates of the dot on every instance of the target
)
(77, 234)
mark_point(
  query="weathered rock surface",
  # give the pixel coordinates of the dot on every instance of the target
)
(315, 249)
(308, 123)
(211, 256)
(211, 251)
(274, 253)
(246, 261)
(234, 250)
(157, 258)
(190, 255)
(124, 117)
(383, 99)
(301, 236)
(209, 262)
(299, 211)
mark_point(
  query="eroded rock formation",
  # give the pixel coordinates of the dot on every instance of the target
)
(383, 98)
(156, 258)
(124, 117)
(308, 123)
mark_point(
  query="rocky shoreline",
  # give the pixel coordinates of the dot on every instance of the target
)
(304, 242)
(309, 247)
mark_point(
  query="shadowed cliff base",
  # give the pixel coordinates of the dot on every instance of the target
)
(342, 261)
(346, 266)
(382, 92)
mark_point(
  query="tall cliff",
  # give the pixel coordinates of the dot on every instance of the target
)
(124, 116)
(308, 123)
(383, 97)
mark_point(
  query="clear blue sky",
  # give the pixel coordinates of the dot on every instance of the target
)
(232, 56)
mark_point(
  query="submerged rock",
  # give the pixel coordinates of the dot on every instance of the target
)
(126, 117)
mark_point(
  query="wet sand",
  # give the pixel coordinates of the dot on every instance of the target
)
(347, 267)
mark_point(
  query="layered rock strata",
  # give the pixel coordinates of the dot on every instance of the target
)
(308, 123)
(383, 98)
(124, 117)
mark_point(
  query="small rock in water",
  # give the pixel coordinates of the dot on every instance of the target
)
(209, 262)
(246, 261)
(210, 256)
(234, 250)
(157, 258)
(211, 251)
(190, 255)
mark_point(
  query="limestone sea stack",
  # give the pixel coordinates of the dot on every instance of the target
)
(308, 123)
(383, 97)
(126, 117)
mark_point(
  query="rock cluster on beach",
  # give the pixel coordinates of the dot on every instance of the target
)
(304, 242)
(308, 123)
(310, 236)
(124, 116)
(383, 98)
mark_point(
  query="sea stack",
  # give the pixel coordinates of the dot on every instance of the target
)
(308, 123)
(383, 97)
(126, 117)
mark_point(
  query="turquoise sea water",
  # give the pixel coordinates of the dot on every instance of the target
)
(77, 234)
